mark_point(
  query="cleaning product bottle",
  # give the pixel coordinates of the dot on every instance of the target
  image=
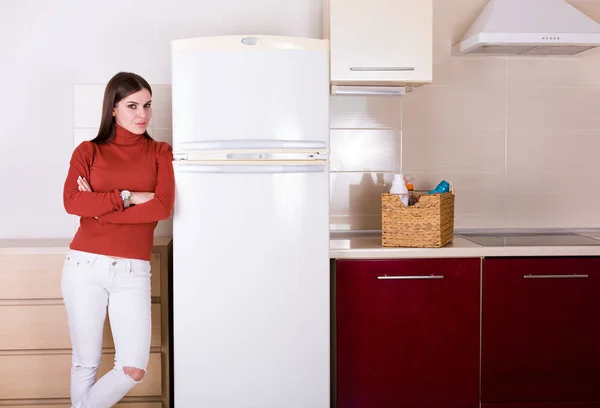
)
(412, 198)
(443, 187)
(399, 187)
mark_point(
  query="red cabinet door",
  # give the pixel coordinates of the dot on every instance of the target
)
(560, 404)
(407, 333)
(541, 330)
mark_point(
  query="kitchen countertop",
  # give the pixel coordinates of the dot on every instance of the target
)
(356, 245)
(48, 246)
(367, 245)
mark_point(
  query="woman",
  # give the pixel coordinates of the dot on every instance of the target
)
(121, 184)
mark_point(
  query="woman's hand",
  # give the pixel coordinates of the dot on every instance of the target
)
(83, 184)
(137, 198)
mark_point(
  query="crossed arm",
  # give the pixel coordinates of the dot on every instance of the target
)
(79, 199)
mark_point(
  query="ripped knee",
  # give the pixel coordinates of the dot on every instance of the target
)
(84, 367)
(136, 374)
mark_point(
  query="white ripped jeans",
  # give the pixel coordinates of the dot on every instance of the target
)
(90, 284)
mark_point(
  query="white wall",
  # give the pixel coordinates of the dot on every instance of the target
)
(47, 47)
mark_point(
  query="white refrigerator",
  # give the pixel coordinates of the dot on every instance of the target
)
(251, 312)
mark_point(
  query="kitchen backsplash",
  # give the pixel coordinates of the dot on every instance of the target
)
(518, 137)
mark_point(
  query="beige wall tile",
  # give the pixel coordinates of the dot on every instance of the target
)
(466, 93)
(553, 178)
(162, 106)
(539, 153)
(358, 193)
(562, 207)
(441, 107)
(355, 222)
(469, 74)
(553, 107)
(453, 149)
(365, 150)
(582, 70)
(352, 112)
(479, 195)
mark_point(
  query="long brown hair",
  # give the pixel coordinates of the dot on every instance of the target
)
(120, 86)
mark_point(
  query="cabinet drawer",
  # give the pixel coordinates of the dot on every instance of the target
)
(31, 276)
(28, 327)
(47, 376)
(37, 276)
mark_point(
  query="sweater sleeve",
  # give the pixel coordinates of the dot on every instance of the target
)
(85, 203)
(161, 206)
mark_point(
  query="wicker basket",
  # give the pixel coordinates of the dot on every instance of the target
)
(427, 224)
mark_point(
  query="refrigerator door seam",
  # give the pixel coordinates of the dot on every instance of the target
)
(248, 155)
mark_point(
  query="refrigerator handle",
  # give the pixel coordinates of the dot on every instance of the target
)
(251, 169)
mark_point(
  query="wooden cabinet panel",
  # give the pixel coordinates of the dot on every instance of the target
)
(47, 376)
(37, 276)
(29, 327)
(155, 271)
(46, 404)
(30, 276)
(407, 333)
(540, 332)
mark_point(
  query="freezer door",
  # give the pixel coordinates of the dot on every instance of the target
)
(225, 89)
(251, 285)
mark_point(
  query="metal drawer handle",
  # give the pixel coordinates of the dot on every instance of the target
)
(392, 69)
(553, 276)
(411, 277)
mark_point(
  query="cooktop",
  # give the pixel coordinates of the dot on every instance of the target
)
(529, 239)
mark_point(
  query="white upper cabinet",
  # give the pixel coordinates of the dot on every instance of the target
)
(380, 42)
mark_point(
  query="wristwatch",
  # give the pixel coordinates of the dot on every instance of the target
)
(125, 196)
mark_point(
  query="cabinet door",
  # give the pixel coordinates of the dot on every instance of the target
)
(407, 333)
(561, 404)
(540, 330)
(381, 40)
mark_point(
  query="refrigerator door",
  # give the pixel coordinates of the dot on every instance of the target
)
(250, 88)
(251, 285)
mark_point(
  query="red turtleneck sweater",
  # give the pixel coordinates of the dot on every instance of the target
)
(129, 162)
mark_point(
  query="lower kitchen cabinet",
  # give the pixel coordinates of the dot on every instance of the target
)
(35, 347)
(542, 405)
(407, 333)
(541, 333)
